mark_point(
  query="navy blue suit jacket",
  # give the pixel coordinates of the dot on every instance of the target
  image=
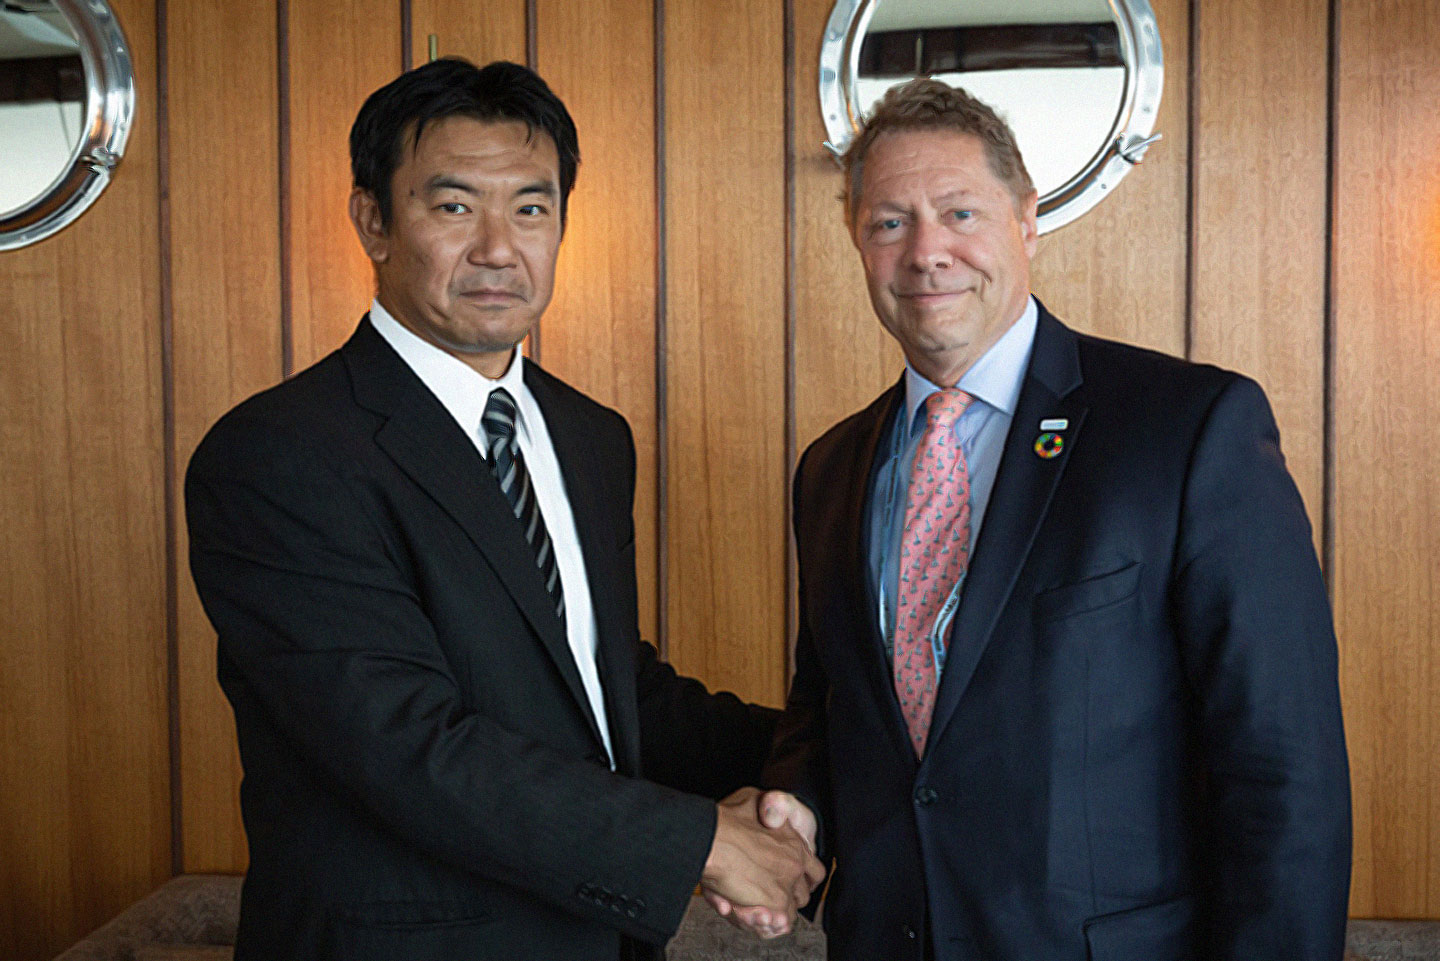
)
(1136, 752)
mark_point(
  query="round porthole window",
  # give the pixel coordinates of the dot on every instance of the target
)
(1079, 81)
(67, 99)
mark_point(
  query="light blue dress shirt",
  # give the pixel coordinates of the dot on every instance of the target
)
(994, 381)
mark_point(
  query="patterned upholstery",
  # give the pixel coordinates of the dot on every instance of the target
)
(705, 936)
(192, 918)
(1393, 941)
(189, 918)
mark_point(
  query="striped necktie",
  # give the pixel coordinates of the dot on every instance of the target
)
(509, 469)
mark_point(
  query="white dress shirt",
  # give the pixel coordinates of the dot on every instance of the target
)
(464, 392)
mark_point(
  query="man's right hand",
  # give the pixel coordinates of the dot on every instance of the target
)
(759, 867)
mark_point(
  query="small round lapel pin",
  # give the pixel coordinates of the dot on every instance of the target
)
(1049, 446)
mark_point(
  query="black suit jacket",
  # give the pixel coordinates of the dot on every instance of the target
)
(1136, 752)
(424, 778)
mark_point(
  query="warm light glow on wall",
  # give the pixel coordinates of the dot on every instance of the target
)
(1432, 231)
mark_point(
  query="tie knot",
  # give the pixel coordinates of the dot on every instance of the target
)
(944, 407)
(499, 417)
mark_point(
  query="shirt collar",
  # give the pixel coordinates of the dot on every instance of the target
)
(996, 378)
(462, 389)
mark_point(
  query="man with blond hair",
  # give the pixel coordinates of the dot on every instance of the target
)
(1065, 681)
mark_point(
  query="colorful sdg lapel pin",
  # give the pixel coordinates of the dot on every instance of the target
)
(1049, 444)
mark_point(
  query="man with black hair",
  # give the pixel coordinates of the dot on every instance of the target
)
(419, 557)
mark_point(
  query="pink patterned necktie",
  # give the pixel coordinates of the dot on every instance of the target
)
(934, 552)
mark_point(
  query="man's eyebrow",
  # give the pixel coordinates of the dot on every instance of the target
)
(546, 187)
(957, 192)
(448, 182)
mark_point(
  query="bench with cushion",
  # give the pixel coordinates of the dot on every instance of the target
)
(193, 917)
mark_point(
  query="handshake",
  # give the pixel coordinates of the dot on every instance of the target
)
(762, 866)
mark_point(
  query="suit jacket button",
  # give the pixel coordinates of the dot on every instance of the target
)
(636, 908)
(908, 932)
(926, 796)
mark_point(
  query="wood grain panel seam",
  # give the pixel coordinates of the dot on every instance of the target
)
(1192, 174)
(407, 35)
(168, 452)
(532, 58)
(282, 83)
(1328, 443)
(532, 35)
(791, 272)
(662, 446)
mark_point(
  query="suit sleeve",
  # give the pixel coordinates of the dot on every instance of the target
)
(799, 757)
(1260, 653)
(696, 741)
(319, 625)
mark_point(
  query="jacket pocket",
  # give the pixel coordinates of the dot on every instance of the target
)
(1168, 931)
(1091, 594)
(416, 931)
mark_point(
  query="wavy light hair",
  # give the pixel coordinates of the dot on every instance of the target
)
(925, 104)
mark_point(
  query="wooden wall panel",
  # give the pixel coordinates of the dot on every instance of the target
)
(1261, 101)
(1119, 271)
(84, 739)
(843, 357)
(84, 730)
(225, 279)
(725, 360)
(1386, 569)
(599, 333)
(338, 53)
(479, 32)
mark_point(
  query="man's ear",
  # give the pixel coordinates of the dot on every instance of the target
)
(369, 225)
(1029, 231)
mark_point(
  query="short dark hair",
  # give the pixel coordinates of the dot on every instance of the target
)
(925, 104)
(454, 87)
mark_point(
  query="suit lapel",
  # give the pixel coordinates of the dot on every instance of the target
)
(424, 441)
(1019, 500)
(599, 542)
(854, 529)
